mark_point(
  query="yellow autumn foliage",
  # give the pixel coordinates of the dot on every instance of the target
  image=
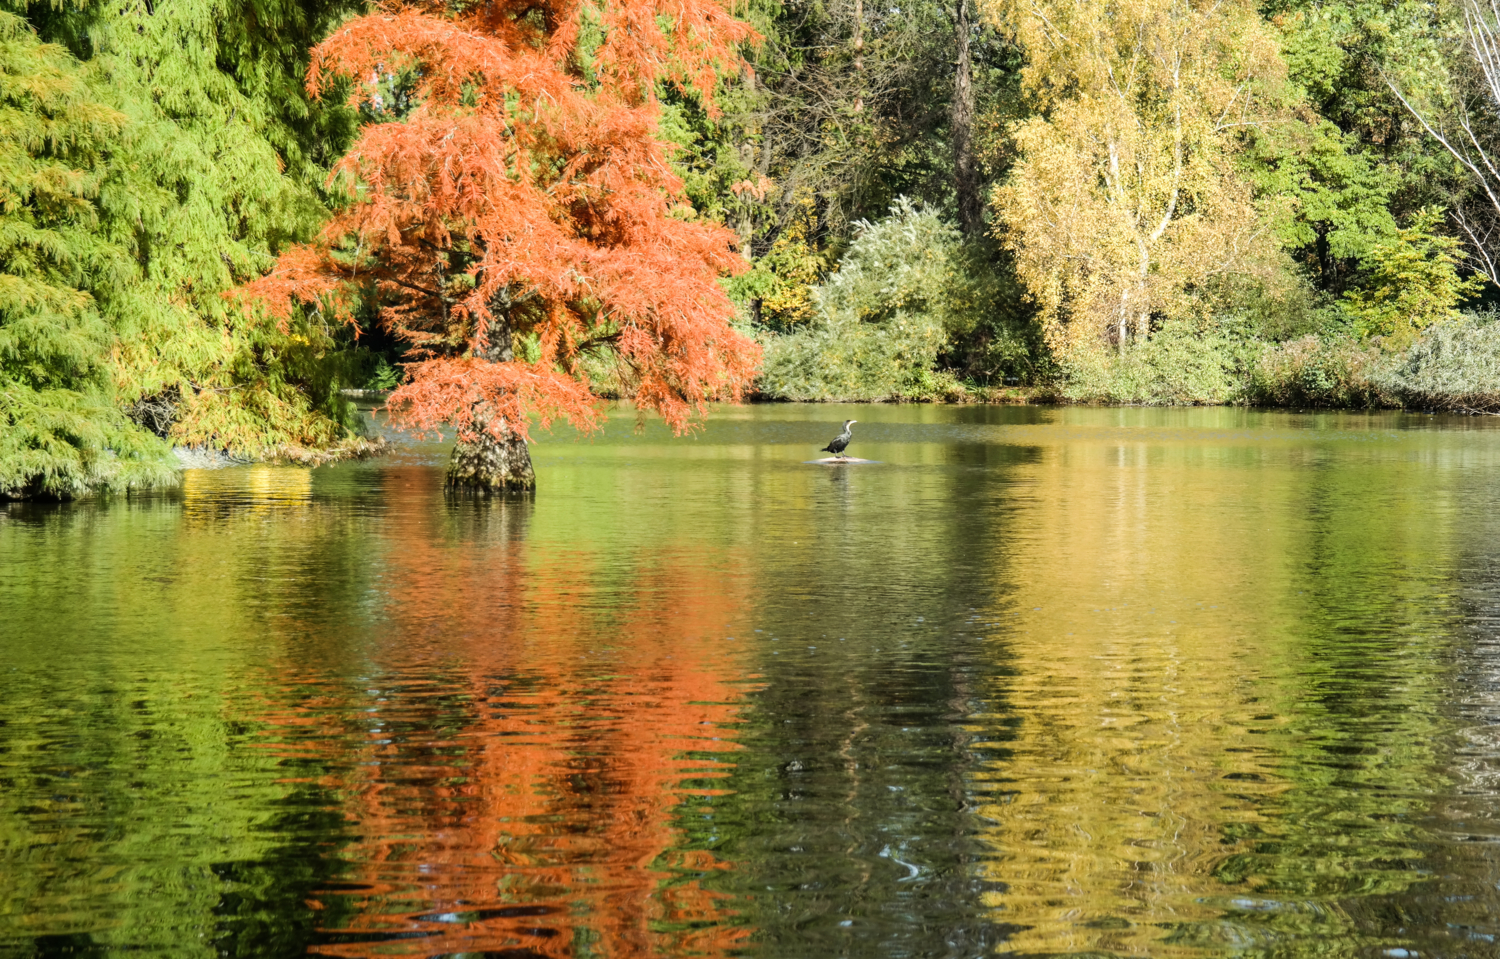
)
(1126, 197)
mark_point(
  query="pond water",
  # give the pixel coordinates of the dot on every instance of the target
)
(1042, 682)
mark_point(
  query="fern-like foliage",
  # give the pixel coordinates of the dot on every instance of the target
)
(216, 161)
(222, 166)
(61, 430)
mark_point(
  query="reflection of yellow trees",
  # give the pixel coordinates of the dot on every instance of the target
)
(1183, 611)
(260, 485)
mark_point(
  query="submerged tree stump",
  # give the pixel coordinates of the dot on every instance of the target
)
(490, 465)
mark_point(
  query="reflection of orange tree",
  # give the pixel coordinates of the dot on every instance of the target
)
(517, 785)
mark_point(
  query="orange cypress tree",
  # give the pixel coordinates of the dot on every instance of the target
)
(525, 198)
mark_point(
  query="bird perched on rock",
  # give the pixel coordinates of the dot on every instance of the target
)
(840, 442)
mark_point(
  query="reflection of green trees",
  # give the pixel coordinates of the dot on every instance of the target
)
(1369, 643)
(1364, 744)
(136, 816)
(140, 809)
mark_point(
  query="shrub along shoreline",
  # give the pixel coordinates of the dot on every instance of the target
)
(1452, 366)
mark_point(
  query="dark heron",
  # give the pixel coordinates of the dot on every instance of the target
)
(839, 442)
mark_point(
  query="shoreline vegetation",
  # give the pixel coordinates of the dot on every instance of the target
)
(218, 219)
(1452, 367)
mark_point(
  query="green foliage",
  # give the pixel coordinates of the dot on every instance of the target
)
(913, 263)
(1336, 51)
(1274, 308)
(717, 176)
(1183, 363)
(384, 377)
(141, 183)
(61, 432)
(222, 169)
(1454, 366)
(843, 360)
(907, 285)
(847, 108)
(1341, 53)
(1217, 363)
(779, 287)
(1331, 198)
(851, 129)
(1355, 162)
(1312, 371)
(1414, 283)
(281, 390)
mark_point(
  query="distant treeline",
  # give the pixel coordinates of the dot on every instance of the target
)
(1114, 200)
(1152, 201)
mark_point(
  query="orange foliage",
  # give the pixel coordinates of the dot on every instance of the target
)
(519, 780)
(526, 194)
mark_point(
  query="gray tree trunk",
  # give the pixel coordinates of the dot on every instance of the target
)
(961, 124)
(491, 465)
(859, 36)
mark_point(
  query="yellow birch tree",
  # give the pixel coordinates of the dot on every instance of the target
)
(1126, 195)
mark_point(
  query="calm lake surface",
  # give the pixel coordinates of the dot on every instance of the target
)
(1042, 682)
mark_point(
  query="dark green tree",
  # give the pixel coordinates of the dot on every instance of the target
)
(1354, 162)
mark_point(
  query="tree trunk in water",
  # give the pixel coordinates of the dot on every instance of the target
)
(488, 464)
(961, 121)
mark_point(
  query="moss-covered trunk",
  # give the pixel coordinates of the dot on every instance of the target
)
(490, 463)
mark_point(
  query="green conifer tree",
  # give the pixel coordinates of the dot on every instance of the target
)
(221, 161)
(223, 167)
(61, 431)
